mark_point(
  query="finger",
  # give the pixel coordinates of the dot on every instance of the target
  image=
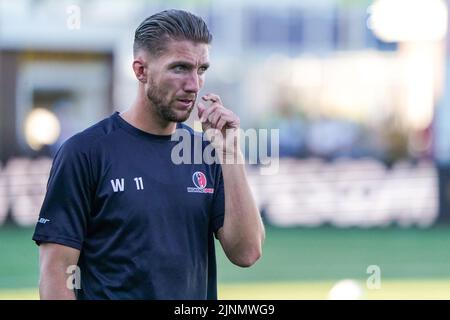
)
(220, 109)
(200, 108)
(207, 112)
(221, 124)
(231, 120)
(216, 115)
(214, 118)
(212, 97)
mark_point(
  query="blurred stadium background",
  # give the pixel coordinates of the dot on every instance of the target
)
(360, 204)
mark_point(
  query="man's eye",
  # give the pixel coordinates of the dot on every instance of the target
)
(202, 70)
(180, 68)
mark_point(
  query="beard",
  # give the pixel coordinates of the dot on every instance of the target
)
(162, 105)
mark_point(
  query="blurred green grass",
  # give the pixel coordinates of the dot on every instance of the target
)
(19, 259)
(302, 254)
(296, 261)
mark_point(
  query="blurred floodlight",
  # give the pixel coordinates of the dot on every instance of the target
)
(347, 289)
(42, 127)
(408, 20)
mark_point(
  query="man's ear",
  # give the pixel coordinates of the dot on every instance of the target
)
(140, 70)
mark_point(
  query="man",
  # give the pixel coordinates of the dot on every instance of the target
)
(119, 215)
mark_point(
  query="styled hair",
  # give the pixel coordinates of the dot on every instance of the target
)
(157, 30)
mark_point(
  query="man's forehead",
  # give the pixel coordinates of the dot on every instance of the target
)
(189, 51)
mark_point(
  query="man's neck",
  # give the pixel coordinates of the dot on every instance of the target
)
(141, 115)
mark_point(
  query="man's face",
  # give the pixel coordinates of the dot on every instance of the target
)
(175, 78)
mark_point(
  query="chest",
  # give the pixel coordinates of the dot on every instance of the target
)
(150, 185)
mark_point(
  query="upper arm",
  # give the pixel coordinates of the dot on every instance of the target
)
(65, 211)
(53, 255)
(56, 265)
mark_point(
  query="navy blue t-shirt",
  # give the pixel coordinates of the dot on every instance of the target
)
(144, 225)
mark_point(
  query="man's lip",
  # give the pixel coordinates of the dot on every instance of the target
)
(186, 103)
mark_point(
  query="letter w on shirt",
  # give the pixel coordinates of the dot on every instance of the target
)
(118, 185)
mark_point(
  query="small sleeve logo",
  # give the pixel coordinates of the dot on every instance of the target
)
(43, 220)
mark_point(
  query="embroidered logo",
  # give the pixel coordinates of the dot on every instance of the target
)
(43, 220)
(199, 180)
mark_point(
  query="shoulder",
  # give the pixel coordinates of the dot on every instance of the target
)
(84, 141)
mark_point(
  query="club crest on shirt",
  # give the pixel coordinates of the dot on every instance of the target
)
(200, 182)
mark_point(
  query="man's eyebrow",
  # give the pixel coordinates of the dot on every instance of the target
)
(181, 62)
(187, 64)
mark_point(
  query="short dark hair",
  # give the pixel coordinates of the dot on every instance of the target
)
(155, 31)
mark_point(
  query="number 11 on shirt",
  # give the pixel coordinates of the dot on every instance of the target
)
(139, 183)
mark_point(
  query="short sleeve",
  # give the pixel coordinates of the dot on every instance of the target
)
(218, 207)
(66, 208)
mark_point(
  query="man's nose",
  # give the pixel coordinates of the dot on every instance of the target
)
(193, 83)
